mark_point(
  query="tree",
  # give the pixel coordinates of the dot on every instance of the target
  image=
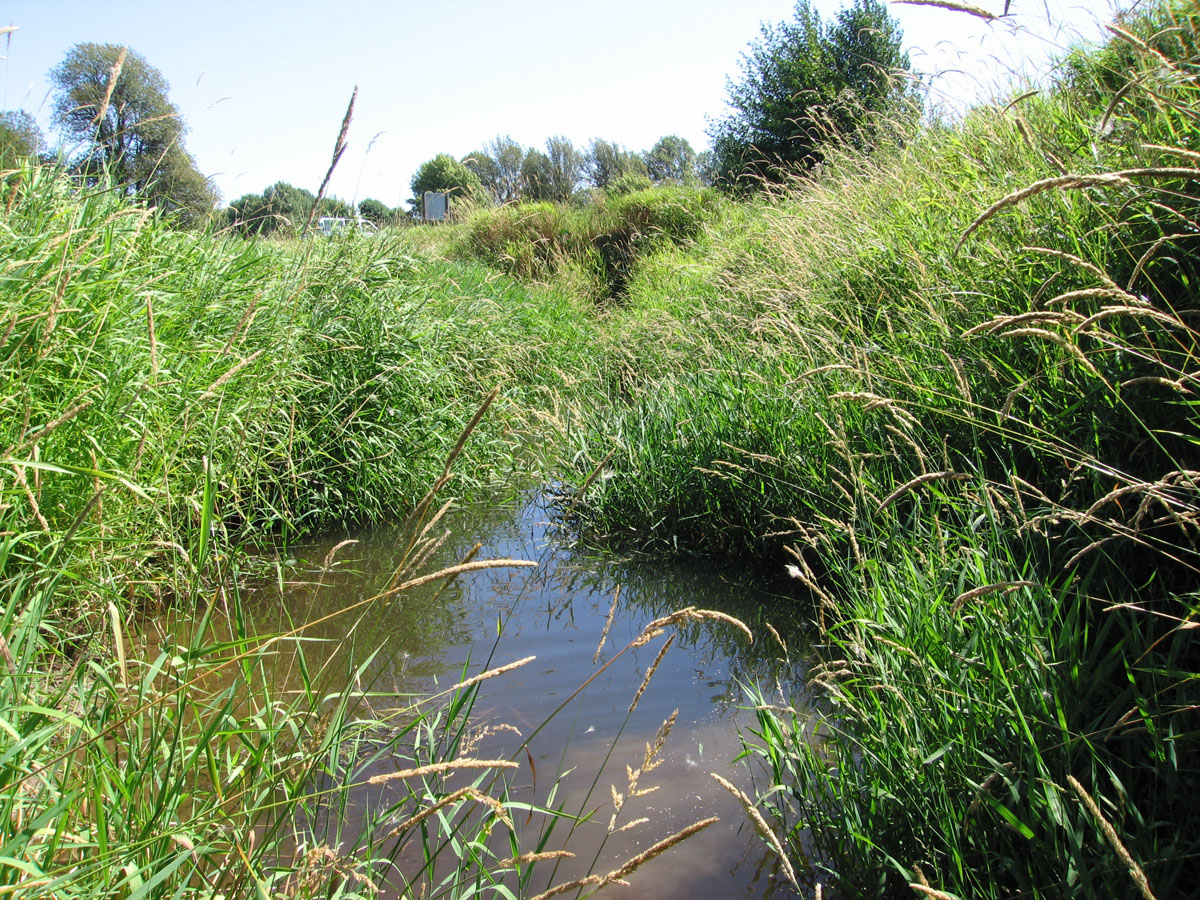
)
(805, 83)
(114, 103)
(376, 211)
(566, 168)
(282, 208)
(446, 175)
(672, 159)
(537, 176)
(498, 166)
(20, 137)
(606, 162)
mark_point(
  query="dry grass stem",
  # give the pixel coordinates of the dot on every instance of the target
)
(761, 826)
(1074, 260)
(451, 571)
(1060, 182)
(1181, 152)
(566, 886)
(339, 148)
(492, 673)
(33, 504)
(1096, 293)
(952, 6)
(591, 478)
(1137, 42)
(1074, 182)
(113, 74)
(927, 891)
(513, 861)
(1006, 586)
(691, 613)
(153, 337)
(1110, 834)
(775, 634)
(1039, 317)
(651, 759)
(333, 551)
(628, 826)
(612, 611)
(919, 481)
(478, 796)
(441, 768)
(49, 428)
(1144, 312)
(1150, 252)
(650, 672)
(1059, 341)
(216, 385)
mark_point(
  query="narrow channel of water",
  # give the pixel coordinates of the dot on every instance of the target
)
(557, 612)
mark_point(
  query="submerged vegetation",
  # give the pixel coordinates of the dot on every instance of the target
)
(946, 378)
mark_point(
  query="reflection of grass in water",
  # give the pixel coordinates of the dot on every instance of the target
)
(199, 770)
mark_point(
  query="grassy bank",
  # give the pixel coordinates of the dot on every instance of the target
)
(167, 397)
(958, 406)
(948, 383)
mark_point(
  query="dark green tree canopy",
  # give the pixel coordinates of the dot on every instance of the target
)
(671, 159)
(805, 83)
(606, 161)
(445, 174)
(114, 104)
(537, 177)
(20, 137)
(282, 209)
(376, 211)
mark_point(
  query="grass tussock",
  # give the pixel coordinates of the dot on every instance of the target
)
(598, 244)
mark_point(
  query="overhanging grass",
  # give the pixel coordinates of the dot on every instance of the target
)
(1004, 420)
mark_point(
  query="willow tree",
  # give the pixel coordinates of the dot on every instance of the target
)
(114, 106)
(808, 82)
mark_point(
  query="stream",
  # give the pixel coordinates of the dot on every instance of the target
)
(436, 635)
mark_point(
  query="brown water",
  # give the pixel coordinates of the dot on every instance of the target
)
(556, 612)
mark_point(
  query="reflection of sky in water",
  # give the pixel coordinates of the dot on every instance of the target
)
(556, 612)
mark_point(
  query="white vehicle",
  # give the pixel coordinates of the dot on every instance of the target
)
(332, 225)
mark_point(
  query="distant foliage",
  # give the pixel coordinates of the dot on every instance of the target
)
(805, 83)
(603, 241)
(606, 162)
(673, 160)
(498, 166)
(129, 129)
(566, 167)
(446, 175)
(281, 209)
(20, 137)
(559, 172)
(377, 211)
(628, 183)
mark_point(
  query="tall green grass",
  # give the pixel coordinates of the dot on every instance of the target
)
(169, 398)
(959, 407)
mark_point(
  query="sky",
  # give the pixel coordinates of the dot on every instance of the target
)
(263, 85)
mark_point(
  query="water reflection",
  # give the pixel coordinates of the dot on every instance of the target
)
(438, 634)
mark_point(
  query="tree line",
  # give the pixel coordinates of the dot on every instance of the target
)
(504, 171)
(803, 83)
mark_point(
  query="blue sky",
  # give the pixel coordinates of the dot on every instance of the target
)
(263, 84)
